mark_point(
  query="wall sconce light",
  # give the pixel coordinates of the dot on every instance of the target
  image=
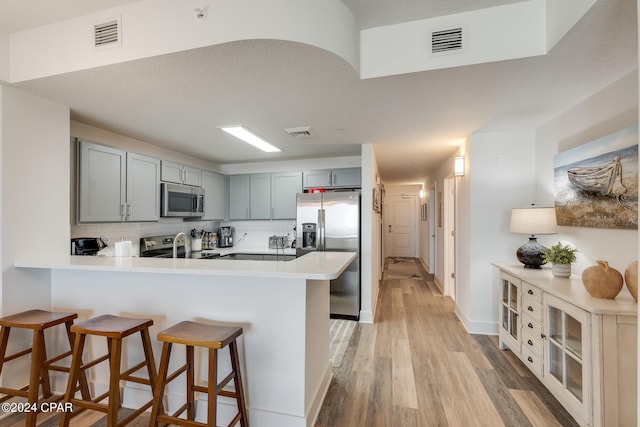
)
(421, 193)
(458, 166)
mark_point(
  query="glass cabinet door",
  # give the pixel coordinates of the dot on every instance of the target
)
(566, 347)
(510, 308)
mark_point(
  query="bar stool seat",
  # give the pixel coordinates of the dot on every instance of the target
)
(114, 329)
(38, 321)
(193, 334)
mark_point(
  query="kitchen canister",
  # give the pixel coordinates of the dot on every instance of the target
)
(602, 281)
(631, 279)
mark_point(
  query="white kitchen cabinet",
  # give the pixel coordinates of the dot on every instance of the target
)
(284, 188)
(143, 188)
(214, 196)
(583, 349)
(332, 178)
(238, 196)
(181, 174)
(348, 177)
(115, 186)
(249, 196)
(260, 196)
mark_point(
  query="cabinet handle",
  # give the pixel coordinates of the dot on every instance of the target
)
(128, 210)
(529, 342)
(530, 359)
(122, 210)
(543, 336)
(530, 325)
(530, 308)
(530, 292)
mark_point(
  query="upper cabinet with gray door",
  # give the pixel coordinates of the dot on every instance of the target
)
(214, 196)
(115, 186)
(333, 178)
(284, 187)
(249, 196)
(181, 174)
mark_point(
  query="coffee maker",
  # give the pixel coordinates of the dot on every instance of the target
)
(309, 235)
(225, 237)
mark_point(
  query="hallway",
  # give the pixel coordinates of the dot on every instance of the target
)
(417, 366)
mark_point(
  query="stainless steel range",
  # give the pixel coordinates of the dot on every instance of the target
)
(162, 247)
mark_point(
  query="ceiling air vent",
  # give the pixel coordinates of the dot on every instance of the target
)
(300, 132)
(444, 41)
(107, 33)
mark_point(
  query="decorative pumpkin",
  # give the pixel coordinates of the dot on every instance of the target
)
(602, 281)
(631, 279)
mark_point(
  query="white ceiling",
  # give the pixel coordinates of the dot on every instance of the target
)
(413, 120)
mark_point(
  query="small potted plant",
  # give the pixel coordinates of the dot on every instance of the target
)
(561, 257)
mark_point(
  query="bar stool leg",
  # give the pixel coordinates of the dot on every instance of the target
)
(74, 374)
(191, 395)
(212, 398)
(158, 392)
(115, 355)
(34, 376)
(44, 374)
(148, 354)
(237, 382)
(84, 385)
(4, 340)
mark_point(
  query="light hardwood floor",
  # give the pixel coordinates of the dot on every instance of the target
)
(417, 366)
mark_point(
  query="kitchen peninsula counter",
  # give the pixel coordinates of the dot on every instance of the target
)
(282, 306)
(314, 265)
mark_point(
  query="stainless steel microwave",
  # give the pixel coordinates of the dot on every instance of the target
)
(181, 200)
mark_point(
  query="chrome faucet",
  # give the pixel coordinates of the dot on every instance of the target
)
(186, 244)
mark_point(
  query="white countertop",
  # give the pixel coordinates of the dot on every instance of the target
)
(572, 290)
(315, 265)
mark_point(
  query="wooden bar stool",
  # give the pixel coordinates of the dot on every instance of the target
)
(38, 321)
(214, 338)
(115, 329)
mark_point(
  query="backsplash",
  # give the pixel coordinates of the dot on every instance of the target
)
(257, 232)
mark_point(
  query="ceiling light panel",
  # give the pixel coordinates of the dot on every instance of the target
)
(249, 137)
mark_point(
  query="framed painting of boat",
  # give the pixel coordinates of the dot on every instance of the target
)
(596, 184)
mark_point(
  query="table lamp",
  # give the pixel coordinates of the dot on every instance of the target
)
(532, 221)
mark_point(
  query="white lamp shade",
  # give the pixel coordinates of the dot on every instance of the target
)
(534, 221)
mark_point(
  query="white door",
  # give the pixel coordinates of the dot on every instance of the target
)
(449, 238)
(401, 225)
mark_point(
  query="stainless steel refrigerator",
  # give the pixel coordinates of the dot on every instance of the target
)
(330, 221)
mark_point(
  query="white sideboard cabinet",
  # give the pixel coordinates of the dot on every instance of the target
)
(583, 349)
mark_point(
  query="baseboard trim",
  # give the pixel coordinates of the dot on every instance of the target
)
(479, 328)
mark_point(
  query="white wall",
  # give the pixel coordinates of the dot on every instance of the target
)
(513, 169)
(613, 108)
(35, 201)
(157, 27)
(500, 174)
(370, 245)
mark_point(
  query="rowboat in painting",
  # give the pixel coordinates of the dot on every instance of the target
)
(604, 180)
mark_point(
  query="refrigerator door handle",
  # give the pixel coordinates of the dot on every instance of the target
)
(320, 229)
